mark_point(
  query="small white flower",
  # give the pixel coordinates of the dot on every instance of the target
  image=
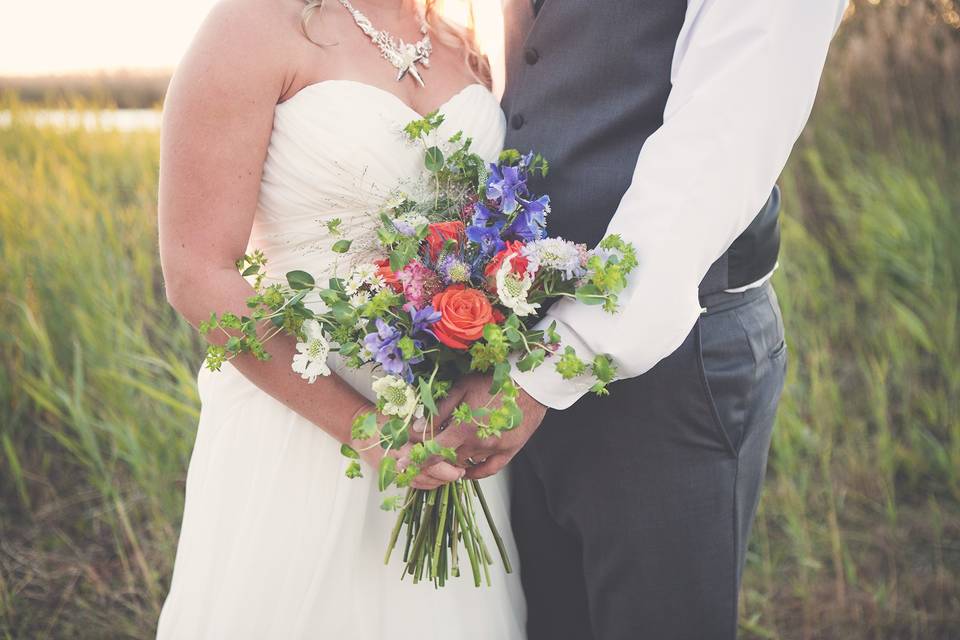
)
(364, 279)
(310, 360)
(513, 290)
(399, 399)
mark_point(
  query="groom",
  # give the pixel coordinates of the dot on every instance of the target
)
(668, 122)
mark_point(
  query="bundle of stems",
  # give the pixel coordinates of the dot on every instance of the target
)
(436, 524)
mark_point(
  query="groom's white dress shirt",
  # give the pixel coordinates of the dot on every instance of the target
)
(745, 75)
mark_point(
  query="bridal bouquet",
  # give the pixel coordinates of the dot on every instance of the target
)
(457, 267)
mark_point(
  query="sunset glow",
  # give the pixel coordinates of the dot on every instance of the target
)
(107, 35)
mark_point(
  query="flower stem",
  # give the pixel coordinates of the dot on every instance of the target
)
(493, 527)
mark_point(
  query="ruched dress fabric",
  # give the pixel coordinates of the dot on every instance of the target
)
(276, 543)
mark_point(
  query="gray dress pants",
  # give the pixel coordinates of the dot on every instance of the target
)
(632, 512)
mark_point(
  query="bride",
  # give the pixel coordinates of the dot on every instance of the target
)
(282, 117)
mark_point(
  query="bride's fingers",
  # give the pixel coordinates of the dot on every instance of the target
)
(444, 472)
(425, 483)
(488, 467)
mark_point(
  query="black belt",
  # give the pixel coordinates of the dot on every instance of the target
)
(751, 256)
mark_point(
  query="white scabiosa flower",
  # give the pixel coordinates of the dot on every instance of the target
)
(555, 253)
(310, 360)
(514, 290)
(399, 399)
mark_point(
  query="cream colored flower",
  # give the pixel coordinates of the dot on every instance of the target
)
(514, 290)
(399, 399)
(310, 360)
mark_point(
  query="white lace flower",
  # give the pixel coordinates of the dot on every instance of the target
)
(513, 290)
(399, 398)
(310, 360)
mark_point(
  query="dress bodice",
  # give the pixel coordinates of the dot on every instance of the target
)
(337, 151)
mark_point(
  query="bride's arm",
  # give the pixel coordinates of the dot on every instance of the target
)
(216, 126)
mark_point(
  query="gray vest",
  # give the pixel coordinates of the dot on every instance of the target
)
(587, 83)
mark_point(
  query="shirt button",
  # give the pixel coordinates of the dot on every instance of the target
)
(517, 121)
(531, 56)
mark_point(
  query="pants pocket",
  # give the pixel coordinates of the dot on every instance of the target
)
(728, 371)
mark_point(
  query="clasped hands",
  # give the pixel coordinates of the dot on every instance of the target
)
(476, 457)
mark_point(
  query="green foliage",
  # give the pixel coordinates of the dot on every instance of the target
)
(570, 366)
(98, 400)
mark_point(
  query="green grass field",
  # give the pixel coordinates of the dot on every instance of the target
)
(859, 531)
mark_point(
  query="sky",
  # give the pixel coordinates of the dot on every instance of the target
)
(64, 36)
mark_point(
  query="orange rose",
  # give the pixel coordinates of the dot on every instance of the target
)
(388, 275)
(440, 232)
(463, 314)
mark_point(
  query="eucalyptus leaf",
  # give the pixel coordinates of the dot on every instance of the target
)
(299, 280)
(433, 159)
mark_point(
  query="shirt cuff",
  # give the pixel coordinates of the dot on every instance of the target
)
(544, 384)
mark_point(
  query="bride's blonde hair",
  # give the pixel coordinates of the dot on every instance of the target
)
(463, 38)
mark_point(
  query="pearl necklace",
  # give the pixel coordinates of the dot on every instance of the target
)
(400, 54)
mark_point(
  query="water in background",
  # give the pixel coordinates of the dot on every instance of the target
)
(113, 119)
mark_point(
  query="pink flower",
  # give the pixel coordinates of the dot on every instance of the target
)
(420, 284)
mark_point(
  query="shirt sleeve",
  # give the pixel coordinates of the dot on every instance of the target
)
(745, 74)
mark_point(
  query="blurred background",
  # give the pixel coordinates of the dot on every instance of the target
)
(858, 536)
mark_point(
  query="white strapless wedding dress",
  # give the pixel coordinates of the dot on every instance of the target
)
(276, 542)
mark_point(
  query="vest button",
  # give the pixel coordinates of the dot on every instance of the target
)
(532, 56)
(517, 121)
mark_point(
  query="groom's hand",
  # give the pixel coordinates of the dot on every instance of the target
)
(485, 457)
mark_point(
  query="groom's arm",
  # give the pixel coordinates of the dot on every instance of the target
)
(745, 74)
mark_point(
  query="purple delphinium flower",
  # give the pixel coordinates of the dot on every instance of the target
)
(505, 185)
(487, 237)
(422, 319)
(531, 223)
(383, 345)
(484, 215)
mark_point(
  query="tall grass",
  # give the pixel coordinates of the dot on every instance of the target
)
(97, 398)
(859, 532)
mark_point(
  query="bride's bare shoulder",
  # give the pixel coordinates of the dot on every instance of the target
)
(247, 41)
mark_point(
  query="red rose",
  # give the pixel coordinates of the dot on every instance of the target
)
(518, 264)
(463, 314)
(440, 232)
(388, 275)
